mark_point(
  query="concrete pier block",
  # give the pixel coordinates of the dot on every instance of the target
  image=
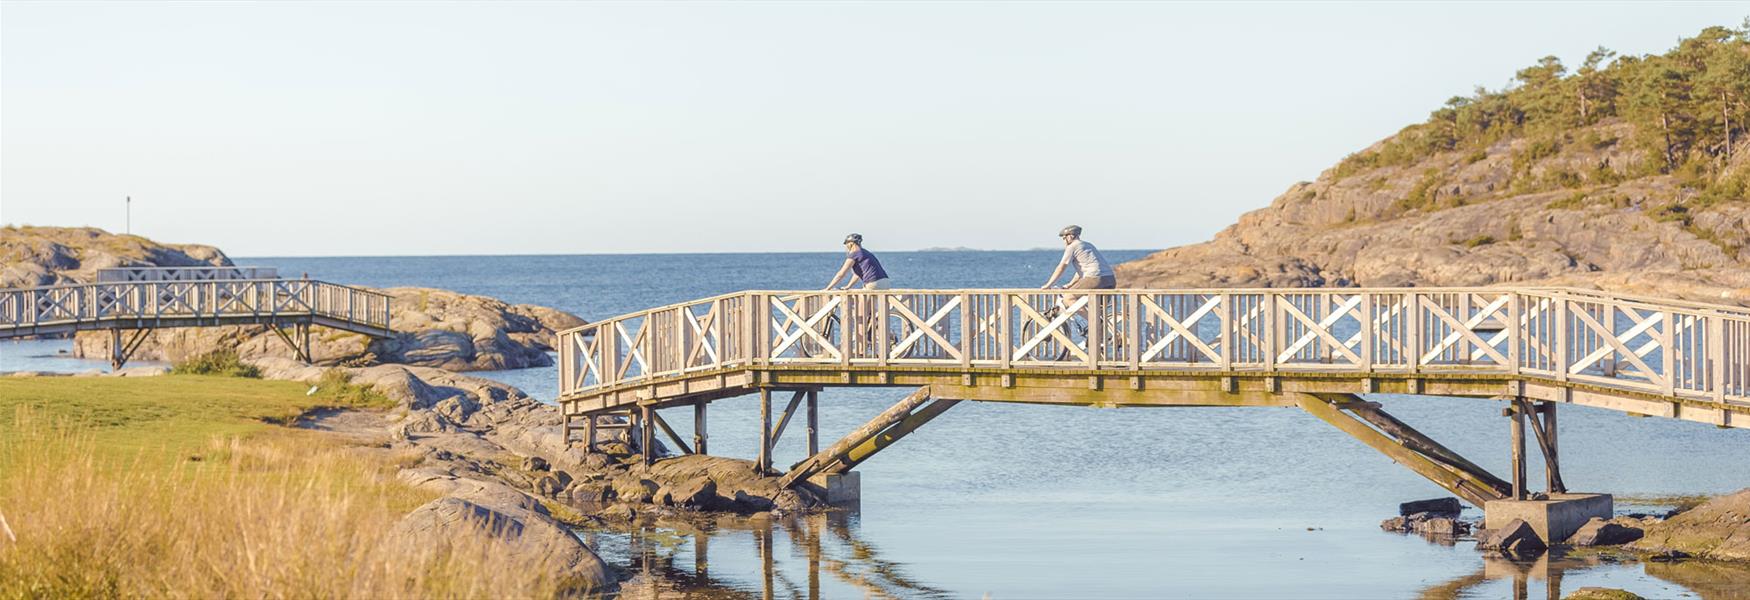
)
(847, 488)
(1554, 519)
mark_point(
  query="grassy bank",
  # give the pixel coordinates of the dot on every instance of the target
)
(186, 486)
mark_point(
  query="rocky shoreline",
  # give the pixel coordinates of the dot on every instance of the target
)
(500, 457)
(1711, 536)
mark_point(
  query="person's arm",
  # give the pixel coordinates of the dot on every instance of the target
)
(852, 282)
(839, 275)
(1056, 273)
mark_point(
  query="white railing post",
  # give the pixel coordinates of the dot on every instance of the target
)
(1414, 314)
(1133, 329)
(1095, 338)
(1368, 335)
(1668, 352)
(1514, 331)
(1270, 323)
(1227, 323)
(1561, 341)
(1716, 354)
(966, 334)
(1007, 342)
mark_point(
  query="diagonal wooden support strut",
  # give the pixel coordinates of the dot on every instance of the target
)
(1406, 446)
(880, 432)
(120, 352)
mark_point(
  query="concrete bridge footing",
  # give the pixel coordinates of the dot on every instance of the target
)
(841, 488)
(1554, 519)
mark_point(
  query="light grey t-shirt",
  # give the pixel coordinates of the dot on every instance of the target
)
(1087, 259)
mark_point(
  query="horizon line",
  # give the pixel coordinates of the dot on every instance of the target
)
(545, 254)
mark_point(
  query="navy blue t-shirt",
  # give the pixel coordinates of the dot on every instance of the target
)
(865, 267)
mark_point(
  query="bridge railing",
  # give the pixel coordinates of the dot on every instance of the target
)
(151, 300)
(129, 274)
(1672, 348)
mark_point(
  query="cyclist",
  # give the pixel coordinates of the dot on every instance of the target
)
(862, 265)
(1092, 272)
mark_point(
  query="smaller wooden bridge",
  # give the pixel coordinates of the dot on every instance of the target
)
(145, 299)
(1319, 350)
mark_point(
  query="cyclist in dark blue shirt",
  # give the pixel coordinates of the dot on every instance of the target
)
(862, 265)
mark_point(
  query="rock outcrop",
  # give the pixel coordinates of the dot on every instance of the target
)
(475, 505)
(1717, 529)
(36, 256)
(1599, 532)
(485, 430)
(1484, 218)
(1516, 538)
(433, 328)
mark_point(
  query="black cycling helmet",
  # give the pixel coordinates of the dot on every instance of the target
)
(1075, 230)
(855, 238)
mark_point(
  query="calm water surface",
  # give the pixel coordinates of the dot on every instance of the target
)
(1021, 501)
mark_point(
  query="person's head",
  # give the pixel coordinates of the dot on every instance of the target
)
(853, 241)
(1070, 234)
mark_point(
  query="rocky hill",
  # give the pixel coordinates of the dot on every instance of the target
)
(1537, 184)
(33, 256)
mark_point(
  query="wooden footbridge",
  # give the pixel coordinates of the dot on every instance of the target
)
(144, 299)
(1319, 350)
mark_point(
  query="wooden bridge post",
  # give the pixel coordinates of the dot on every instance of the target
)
(699, 429)
(115, 349)
(1552, 469)
(1517, 411)
(813, 422)
(646, 434)
(589, 433)
(765, 457)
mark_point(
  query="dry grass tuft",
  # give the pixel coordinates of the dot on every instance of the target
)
(278, 514)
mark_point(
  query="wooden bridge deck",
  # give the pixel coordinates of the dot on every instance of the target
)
(1316, 349)
(147, 299)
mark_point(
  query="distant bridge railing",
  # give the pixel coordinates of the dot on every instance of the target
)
(1672, 348)
(129, 274)
(149, 304)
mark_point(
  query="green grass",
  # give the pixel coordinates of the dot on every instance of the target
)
(217, 362)
(181, 486)
(158, 419)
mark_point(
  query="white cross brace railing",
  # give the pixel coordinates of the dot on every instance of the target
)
(1668, 347)
(148, 303)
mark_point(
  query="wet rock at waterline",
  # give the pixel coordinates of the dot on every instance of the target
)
(1717, 529)
(1444, 507)
(1517, 538)
(1599, 532)
(1430, 523)
(1599, 593)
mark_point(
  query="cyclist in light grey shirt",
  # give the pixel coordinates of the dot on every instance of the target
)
(1092, 272)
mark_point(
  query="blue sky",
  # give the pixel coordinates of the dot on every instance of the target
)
(406, 128)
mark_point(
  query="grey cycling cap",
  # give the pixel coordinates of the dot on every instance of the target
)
(855, 238)
(1075, 230)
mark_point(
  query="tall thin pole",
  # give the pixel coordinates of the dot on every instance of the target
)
(129, 223)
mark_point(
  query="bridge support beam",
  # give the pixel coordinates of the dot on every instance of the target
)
(884, 430)
(298, 340)
(120, 351)
(1398, 441)
(656, 418)
(1543, 425)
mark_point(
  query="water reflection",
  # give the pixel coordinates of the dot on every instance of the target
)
(800, 557)
(1557, 572)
